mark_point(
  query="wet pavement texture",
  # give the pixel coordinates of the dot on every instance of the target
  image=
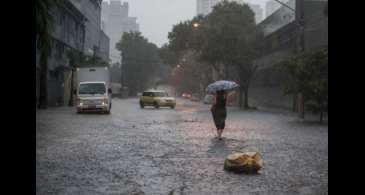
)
(166, 151)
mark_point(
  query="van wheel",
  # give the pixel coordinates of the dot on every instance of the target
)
(156, 105)
(172, 107)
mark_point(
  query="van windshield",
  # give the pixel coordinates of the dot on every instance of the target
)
(92, 88)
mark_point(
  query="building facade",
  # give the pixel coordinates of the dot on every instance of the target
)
(278, 19)
(76, 28)
(284, 38)
(95, 38)
(272, 6)
(116, 21)
(67, 35)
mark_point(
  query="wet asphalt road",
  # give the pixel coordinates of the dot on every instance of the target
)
(165, 151)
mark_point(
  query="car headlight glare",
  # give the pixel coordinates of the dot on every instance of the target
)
(105, 101)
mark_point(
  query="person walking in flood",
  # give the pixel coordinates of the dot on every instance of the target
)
(219, 111)
(220, 89)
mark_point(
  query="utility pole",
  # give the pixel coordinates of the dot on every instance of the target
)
(301, 48)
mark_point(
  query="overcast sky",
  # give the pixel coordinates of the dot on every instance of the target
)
(156, 17)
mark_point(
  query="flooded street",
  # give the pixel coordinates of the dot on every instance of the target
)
(165, 151)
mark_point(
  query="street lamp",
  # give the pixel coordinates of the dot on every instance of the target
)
(196, 25)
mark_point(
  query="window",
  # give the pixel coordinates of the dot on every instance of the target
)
(160, 94)
(148, 94)
(92, 88)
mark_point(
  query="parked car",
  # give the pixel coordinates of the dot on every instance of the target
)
(157, 98)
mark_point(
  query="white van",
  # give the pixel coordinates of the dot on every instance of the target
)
(93, 90)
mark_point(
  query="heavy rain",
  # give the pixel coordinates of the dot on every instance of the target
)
(182, 97)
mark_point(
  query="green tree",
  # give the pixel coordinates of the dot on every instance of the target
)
(228, 36)
(140, 61)
(184, 40)
(309, 76)
(91, 61)
(184, 37)
(168, 56)
(189, 74)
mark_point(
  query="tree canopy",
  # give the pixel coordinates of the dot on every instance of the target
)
(227, 37)
(140, 61)
(308, 76)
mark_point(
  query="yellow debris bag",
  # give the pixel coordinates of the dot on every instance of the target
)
(248, 162)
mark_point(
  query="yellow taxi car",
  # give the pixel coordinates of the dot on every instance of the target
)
(156, 98)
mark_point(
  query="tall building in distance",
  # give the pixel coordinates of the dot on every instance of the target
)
(115, 21)
(204, 7)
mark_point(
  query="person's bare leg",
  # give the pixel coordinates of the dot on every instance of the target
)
(220, 133)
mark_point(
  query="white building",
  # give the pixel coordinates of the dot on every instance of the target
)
(272, 6)
(115, 21)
